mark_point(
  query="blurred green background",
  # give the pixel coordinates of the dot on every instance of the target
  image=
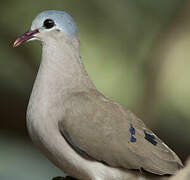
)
(136, 51)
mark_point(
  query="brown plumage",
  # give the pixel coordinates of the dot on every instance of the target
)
(100, 128)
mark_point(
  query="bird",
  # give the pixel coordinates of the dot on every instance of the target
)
(84, 133)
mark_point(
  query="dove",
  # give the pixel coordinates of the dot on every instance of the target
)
(84, 133)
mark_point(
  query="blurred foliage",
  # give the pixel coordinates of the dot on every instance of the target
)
(136, 52)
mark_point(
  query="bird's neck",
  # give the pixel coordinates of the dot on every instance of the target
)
(61, 67)
(61, 73)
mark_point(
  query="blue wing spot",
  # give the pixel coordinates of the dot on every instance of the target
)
(150, 138)
(132, 130)
(133, 139)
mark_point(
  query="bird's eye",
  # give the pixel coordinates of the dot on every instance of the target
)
(48, 23)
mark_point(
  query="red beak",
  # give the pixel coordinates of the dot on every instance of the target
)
(23, 38)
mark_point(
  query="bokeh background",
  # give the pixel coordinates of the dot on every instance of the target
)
(136, 52)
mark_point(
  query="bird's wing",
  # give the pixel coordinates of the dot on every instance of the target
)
(105, 131)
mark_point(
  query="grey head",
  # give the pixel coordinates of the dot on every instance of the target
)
(46, 22)
(55, 20)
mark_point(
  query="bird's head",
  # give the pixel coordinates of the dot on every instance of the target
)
(49, 24)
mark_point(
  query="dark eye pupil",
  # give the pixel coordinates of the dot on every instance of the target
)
(48, 23)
